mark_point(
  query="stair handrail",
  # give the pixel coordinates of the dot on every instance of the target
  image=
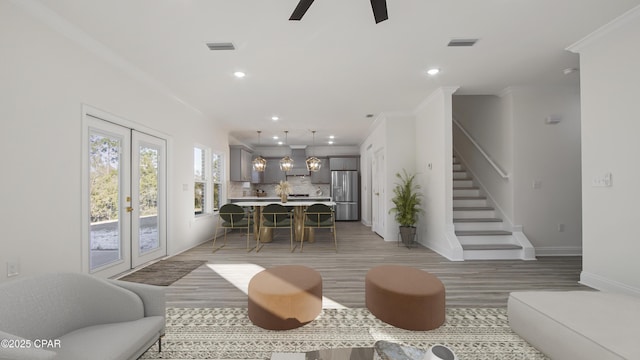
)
(497, 168)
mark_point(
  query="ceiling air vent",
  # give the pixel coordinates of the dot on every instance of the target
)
(221, 46)
(462, 42)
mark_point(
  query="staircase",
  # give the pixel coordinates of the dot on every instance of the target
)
(480, 232)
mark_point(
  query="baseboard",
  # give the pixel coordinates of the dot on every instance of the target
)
(603, 284)
(559, 251)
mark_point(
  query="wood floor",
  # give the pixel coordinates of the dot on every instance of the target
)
(468, 284)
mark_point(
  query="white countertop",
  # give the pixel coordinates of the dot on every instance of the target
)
(277, 198)
(288, 203)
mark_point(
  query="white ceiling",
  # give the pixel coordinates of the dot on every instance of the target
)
(328, 71)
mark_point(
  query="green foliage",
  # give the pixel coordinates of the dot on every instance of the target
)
(406, 199)
(104, 161)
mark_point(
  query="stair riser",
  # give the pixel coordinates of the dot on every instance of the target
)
(487, 239)
(470, 214)
(460, 175)
(492, 254)
(457, 166)
(465, 192)
(477, 226)
(462, 183)
(469, 202)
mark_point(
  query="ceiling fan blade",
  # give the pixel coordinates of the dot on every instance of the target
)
(301, 9)
(379, 8)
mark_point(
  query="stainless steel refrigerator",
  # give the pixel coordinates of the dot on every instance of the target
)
(344, 191)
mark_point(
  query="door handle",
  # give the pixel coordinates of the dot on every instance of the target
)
(377, 194)
(129, 209)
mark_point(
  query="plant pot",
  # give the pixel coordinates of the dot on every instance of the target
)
(283, 198)
(407, 234)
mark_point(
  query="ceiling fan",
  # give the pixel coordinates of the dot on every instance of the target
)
(379, 8)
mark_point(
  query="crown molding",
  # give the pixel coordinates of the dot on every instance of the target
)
(613, 25)
(59, 24)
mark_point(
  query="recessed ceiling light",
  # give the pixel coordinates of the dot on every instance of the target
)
(280, 142)
(330, 142)
(275, 118)
(239, 74)
(331, 137)
(433, 71)
(275, 137)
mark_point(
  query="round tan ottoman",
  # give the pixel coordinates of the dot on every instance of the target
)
(405, 297)
(285, 297)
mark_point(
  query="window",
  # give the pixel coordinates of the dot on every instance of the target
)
(208, 171)
(217, 165)
(200, 181)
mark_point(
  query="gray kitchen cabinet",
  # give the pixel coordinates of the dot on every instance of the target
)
(344, 163)
(322, 176)
(239, 164)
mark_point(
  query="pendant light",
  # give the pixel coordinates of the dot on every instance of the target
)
(286, 163)
(259, 163)
(313, 163)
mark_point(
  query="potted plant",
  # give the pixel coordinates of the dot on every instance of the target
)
(407, 205)
(283, 189)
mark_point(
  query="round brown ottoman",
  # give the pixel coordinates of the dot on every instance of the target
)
(405, 297)
(285, 297)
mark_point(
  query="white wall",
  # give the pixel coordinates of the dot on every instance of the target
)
(550, 155)
(610, 78)
(434, 146)
(46, 78)
(400, 155)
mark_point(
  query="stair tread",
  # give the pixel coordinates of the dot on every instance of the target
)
(480, 197)
(464, 179)
(491, 247)
(482, 232)
(466, 188)
(472, 208)
(471, 220)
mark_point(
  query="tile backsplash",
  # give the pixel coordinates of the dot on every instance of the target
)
(299, 185)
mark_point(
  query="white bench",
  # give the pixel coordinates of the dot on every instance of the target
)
(578, 324)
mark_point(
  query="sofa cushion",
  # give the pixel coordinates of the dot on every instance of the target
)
(125, 340)
(578, 324)
(51, 305)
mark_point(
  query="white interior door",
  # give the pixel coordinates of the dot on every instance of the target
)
(124, 187)
(148, 189)
(377, 193)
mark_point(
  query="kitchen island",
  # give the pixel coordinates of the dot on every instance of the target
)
(298, 204)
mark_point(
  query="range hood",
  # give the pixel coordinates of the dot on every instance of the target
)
(299, 156)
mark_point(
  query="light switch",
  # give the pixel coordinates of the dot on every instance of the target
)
(13, 268)
(602, 181)
(536, 184)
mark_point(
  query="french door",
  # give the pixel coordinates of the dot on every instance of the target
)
(125, 197)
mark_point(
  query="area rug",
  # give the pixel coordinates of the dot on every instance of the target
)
(164, 272)
(227, 333)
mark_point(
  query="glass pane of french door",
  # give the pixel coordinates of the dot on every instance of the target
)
(109, 173)
(148, 189)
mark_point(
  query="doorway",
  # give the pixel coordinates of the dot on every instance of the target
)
(124, 197)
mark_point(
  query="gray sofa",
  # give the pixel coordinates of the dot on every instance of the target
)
(79, 317)
(581, 325)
